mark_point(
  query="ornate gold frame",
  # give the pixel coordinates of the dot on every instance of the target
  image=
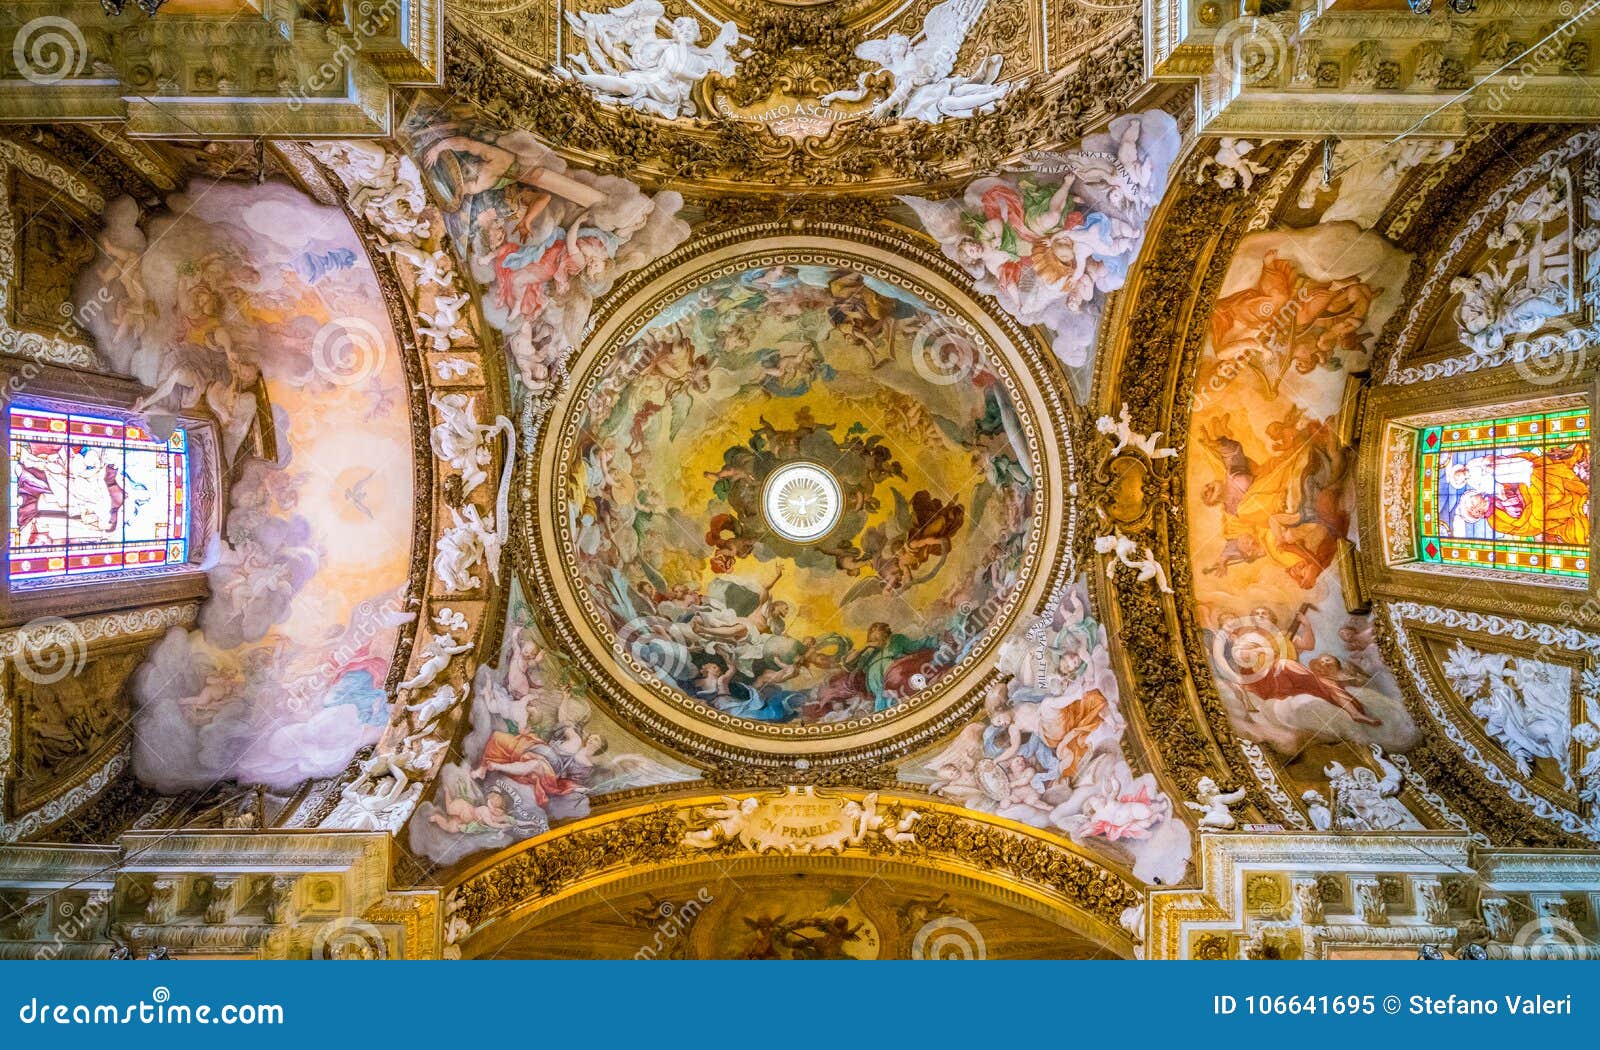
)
(666, 716)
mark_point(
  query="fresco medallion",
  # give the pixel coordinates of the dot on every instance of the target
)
(792, 498)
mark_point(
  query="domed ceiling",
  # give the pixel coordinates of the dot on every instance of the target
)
(778, 502)
(797, 495)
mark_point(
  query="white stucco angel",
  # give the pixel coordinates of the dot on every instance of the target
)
(627, 62)
(442, 700)
(433, 268)
(441, 325)
(379, 798)
(461, 441)
(1523, 703)
(926, 86)
(1124, 551)
(1364, 801)
(471, 538)
(1125, 437)
(436, 656)
(721, 823)
(1214, 805)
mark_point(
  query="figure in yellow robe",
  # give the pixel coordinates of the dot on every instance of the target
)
(1548, 500)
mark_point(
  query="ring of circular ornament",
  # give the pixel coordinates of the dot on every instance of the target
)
(664, 713)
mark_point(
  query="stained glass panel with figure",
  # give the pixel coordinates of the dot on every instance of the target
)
(91, 495)
(1508, 493)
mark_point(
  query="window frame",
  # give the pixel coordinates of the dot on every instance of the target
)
(1390, 415)
(30, 384)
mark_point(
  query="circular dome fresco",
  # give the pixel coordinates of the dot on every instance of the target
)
(794, 497)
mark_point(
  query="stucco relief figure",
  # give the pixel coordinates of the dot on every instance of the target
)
(1215, 805)
(1528, 284)
(1364, 801)
(1523, 703)
(926, 86)
(635, 56)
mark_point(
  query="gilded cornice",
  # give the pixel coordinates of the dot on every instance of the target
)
(289, 68)
(600, 851)
(1303, 894)
(1316, 71)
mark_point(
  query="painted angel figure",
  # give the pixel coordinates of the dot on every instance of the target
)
(628, 63)
(926, 86)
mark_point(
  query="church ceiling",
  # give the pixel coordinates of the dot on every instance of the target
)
(1050, 434)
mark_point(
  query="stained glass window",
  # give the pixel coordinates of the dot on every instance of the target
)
(1509, 493)
(91, 494)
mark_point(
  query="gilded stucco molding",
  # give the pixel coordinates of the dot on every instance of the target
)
(600, 851)
(741, 751)
(1150, 363)
(51, 649)
(369, 196)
